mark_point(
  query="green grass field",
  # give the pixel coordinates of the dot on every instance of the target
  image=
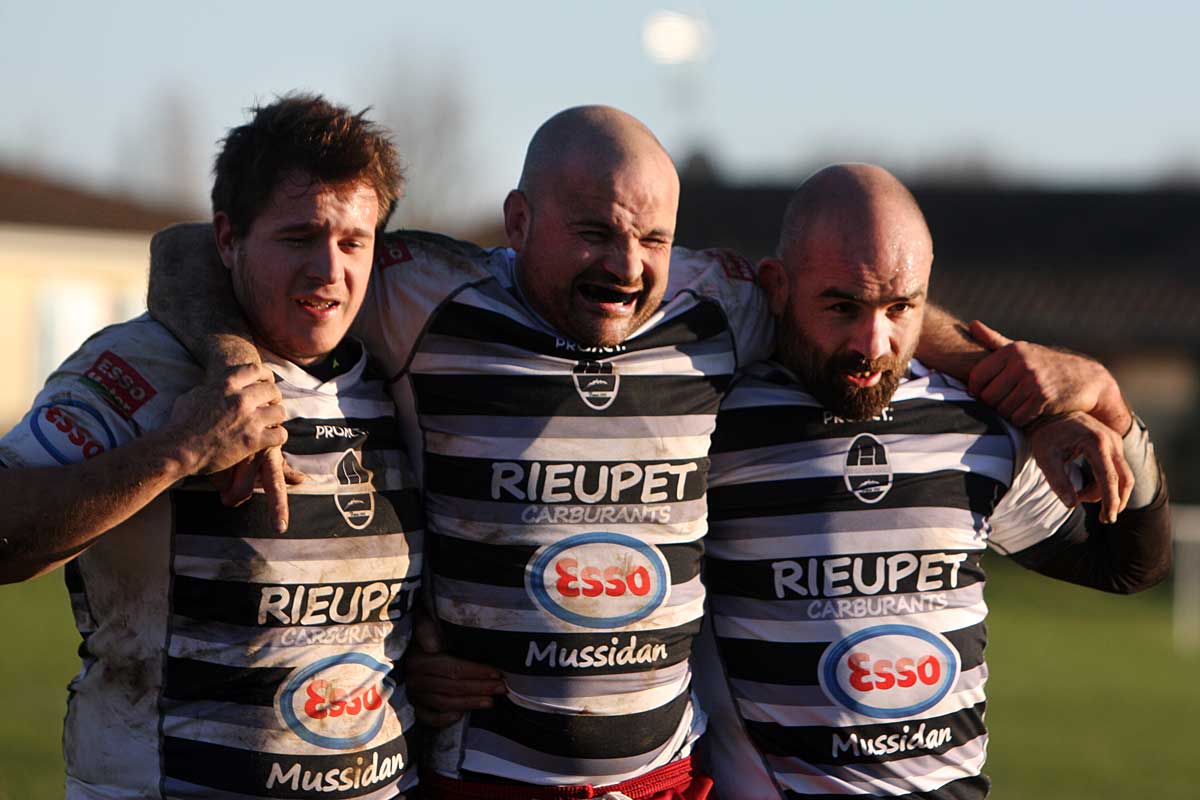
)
(1087, 701)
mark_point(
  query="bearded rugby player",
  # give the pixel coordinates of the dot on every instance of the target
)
(851, 495)
(222, 658)
(563, 392)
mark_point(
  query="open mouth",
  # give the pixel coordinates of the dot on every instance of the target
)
(317, 308)
(608, 295)
(864, 380)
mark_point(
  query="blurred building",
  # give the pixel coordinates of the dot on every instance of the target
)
(71, 262)
(1112, 274)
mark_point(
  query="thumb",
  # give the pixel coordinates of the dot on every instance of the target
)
(992, 340)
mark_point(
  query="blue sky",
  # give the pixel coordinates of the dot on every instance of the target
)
(1050, 92)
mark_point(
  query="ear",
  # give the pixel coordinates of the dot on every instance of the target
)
(517, 219)
(226, 243)
(773, 278)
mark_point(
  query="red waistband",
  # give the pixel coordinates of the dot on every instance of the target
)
(439, 787)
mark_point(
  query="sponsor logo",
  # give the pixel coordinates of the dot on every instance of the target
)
(590, 483)
(841, 575)
(597, 383)
(889, 671)
(734, 264)
(326, 605)
(595, 656)
(357, 506)
(885, 744)
(67, 429)
(867, 471)
(886, 415)
(574, 347)
(390, 251)
(338, 779)
(338, 432)
(121, 385)
(337, 703)
(598, 580)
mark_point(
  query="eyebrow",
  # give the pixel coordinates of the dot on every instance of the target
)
(597, 222)
(309, 227)
(838, 294)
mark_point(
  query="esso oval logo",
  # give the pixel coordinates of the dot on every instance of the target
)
(598, 580)
(70, 430)
(339, 702)
(889, 671)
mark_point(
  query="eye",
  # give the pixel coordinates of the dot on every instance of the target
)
(655, 242)
(593, 235)
(899, 309)
(844, 307)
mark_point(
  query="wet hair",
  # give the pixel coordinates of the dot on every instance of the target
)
(302, 134)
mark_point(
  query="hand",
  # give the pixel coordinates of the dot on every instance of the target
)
(441, 687)
(1058, 442)
(267, 470)
(1024, 381)
(223, 422)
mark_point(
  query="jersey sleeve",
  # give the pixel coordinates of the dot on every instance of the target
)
(414, 274)
(120, 383)
(732, 280)
(1030, 512)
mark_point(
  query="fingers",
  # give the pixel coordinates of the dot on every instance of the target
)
(989, 338)
(241, 482)
(1027, 412)
(291, 475)
(246, 375)
(1002, 383)
(985, 372)
(443, 673)
(270, 475)
(1057, 469)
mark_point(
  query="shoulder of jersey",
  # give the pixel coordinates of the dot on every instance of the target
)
(403, 252)
(717, 273)
(136, 367)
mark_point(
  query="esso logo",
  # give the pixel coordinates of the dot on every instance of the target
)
(889, 671)
(339, 702)
(598, 580)
(69, 429)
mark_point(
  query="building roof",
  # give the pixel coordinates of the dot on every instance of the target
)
(36, 200)
(1101, 271)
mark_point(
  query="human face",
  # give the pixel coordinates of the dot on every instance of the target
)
(848, 326)
(300, 272)
(594, 250)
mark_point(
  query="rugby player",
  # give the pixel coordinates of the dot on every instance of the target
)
(851, 496)
(563, 392)
(220, 657)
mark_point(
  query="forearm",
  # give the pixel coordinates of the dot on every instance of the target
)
(62, 510)
(190, 294)
(1132, 554)
(946, 344)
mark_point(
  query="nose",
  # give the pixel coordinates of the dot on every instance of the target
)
(872, 335)
(624, 262)
(325, 266)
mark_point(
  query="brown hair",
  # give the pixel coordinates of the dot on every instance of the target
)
(308, 134)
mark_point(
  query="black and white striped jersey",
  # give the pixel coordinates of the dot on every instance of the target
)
(221, 659)
(565, 498)
(846, 651)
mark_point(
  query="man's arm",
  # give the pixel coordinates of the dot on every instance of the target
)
(191, 296)
(63, 509)
(1127, 554)
(1021, 380)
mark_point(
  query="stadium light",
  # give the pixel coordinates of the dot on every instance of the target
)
(670, 37)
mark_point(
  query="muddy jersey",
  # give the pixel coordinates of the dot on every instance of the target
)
(220, 659)
(846, 652)
(565, 498)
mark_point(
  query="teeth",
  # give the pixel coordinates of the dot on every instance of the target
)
(322, 305)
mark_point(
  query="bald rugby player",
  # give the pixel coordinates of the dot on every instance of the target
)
(852, 494)
(563, 392)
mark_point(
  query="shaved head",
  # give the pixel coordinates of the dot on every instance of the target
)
(595, 139)
(856, 209)
(848, 286)
(592, 222)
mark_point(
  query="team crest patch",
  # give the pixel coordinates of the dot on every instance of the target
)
(354, 497)
(120, 384)
(597, 383)
(867, 471)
